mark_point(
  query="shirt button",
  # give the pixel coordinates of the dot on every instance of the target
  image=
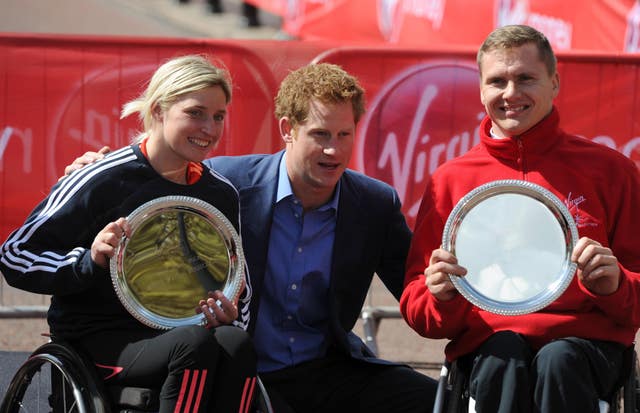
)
(294, 287)
(291, 339)
(289, 317)
(299, 249)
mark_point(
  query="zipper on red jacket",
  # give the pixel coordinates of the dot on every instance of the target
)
(520, 160)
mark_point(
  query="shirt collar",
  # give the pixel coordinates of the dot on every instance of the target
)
(494, 135)
(284, 187)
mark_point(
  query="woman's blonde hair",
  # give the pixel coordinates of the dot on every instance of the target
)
(176, 77)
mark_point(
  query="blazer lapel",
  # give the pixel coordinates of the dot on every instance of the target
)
(256, 212)
(349, 235)
(256, 205)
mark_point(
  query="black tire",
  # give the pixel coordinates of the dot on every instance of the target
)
(632, 388)
(53, 379)
(261, 402)
(615, 404)
(459, 381)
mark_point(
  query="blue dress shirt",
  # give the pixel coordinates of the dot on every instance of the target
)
(292, 323)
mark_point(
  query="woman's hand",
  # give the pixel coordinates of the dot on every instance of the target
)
(217, 309)
(105, 243)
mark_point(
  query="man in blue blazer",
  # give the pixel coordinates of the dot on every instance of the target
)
(314, 233)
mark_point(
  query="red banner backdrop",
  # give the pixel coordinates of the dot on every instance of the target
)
(603, 25)
(424, 108)
(60, 97)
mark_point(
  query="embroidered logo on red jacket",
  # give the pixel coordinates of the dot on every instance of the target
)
(582, 218)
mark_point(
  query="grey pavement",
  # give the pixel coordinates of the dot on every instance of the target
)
(168, 18)
(163, 18)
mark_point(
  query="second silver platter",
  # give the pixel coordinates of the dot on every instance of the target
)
(515, 239)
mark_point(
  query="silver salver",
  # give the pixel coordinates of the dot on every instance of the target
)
(179, 249)
(515, 239)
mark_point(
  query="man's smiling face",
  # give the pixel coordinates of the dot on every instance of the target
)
(516, 89)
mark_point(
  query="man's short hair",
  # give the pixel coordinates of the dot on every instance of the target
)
(507, 37)
(325, 82)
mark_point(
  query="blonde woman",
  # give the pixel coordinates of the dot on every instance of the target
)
(63, 248)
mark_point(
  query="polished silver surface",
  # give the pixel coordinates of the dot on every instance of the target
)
(515, 239)
(180, 248)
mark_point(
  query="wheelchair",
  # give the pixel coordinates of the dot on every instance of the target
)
(56, 378)
(452, 394)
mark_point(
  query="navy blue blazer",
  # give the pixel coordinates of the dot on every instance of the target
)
(371, 236)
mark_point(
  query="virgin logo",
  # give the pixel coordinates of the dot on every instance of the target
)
(294, 15)
(391, 15)
(386, 16)
(511, 12)
(87, 117)
(423, 117)
(558, 31)
(431, 10)
(632, 35)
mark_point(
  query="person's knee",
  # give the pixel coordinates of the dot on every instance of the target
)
(235, 341)
(237, 345)
(199, 337)
(423, 387)
(505, 345)
(430, 388)
(397, 389)
(196, 343)
(559, 358)
(503, 351)
(499, 367)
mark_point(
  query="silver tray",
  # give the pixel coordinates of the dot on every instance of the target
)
(515, 239)
(179, 248)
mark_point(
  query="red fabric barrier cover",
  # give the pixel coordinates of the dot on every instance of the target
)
(424, 108)
(597, 25)
(61, 96)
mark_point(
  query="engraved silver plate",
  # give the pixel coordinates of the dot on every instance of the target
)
(515, 239)
(179, 248)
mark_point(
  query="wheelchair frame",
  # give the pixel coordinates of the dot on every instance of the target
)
(452, 395)
(73, 386)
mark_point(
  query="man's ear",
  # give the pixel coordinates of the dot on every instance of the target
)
(555, 81)
(286, 130)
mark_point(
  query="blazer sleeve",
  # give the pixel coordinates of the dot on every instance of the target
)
(395, 248)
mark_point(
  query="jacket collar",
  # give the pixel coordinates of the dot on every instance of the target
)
(537, 140)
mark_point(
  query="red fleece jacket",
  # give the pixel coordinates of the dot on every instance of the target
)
(600, 186)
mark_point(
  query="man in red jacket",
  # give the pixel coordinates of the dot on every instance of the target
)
(566, 356)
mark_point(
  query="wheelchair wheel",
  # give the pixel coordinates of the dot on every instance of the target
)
(459, 394)
(631, 390)
(53, 379)
(262, 403)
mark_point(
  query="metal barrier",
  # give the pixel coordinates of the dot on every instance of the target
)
(371, 316)
(16, 303)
